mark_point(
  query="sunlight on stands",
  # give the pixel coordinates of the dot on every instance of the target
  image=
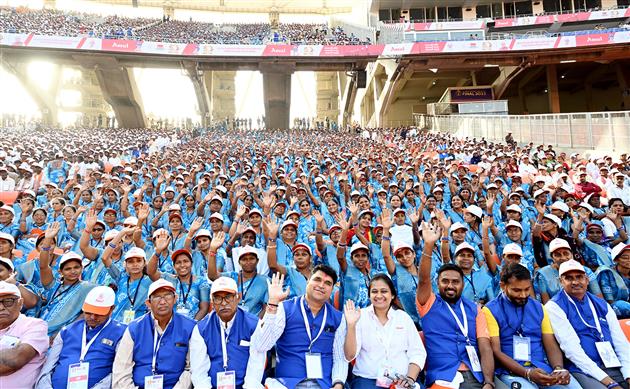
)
(40, 73)
(303, 95)
(248, 95)
(167, 93)
(13, 97)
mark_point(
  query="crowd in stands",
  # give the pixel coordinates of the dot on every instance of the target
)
(188, 256)
(56, 22)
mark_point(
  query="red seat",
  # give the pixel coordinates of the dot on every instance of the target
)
(625, 327)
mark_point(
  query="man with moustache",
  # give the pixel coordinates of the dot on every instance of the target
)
(589, 333)
(455, 330)
(521, 336)
(220, 343)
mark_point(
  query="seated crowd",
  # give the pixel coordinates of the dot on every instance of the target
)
(64, 23)
(136, 258)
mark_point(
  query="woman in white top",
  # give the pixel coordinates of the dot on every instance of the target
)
(382, 340)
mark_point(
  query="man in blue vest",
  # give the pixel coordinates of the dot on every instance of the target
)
(588, 332)
(521, 336)
(455, 330)
(220, 343)
(84, 351)
(307, 331)
(153, 352)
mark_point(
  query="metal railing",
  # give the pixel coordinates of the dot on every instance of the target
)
(608, 131)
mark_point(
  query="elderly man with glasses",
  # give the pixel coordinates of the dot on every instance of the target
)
(23, 341)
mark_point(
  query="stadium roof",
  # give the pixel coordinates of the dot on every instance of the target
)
(326, 7)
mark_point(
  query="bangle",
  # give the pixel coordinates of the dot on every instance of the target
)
(212, 254)
(112, 245)
(443, 239)
(341, 245)
(271, 240)
(272, 305)
(46, 248)
(386, 238)
(527, 373)
(86, 231)
(272, 246)
(613, 385)
(427, 255)
(319, 232)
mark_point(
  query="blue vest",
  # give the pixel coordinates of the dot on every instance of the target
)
(100, 355)
(354, 286)
(293, 344)
(444, 341)
(242, 329)
(526, 321)
(588, 336)
(171, 357)
(406, 284)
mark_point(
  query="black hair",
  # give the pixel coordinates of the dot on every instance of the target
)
(515, 270)
(329, 271)
(390, 284)
(4, 265)
(450, 266)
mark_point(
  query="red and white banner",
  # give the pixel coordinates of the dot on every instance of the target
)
(369, 51)
(445, 26)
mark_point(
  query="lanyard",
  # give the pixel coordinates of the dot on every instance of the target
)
(243, 290)
(182, 289)
(462, 327)
(224, 345)
(174, 241)
(55, 296)
(472, 284)
(597, 326)
(85, 347)
(156, 343)
(519, 328)
(308, 327)
(135, 295)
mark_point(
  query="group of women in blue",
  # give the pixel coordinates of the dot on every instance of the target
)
(180, 221)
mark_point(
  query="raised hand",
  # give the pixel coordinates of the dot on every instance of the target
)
(241, 211)
(353, 208)
(351, 313)
(196, 225)
(270, 227)
(275, 289)
(386, 218)
(343, 223)
(90, 219)
(430, 234)
(487, 222)
(319, 218)
(414, 216)
(161, 242)
(217, 241)
(143, 211)
(52, 230)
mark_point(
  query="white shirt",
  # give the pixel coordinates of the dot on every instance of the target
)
(7, 185)
(271, 327)
(394, 345)
(623, 193)
(200, 361)
(570, 342)
(401, 234)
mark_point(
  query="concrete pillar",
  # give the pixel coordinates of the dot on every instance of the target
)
(277, 94)
(552, 89)
(606, 4)
(220, 85)
(201, 93)
(119, 89)
(169, 11)
(349, 93)
(469, 13)
(537, 7)
(623, 78)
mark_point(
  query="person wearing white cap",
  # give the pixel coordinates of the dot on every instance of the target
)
(400, 232)
(404, 271)
(477, 282)
(546, 281)
(23, 341)
(202, 250)
(7, 184)
(588, 332)
(251, 285)
(547, 228)
(522, 338)
(355, 270)
(154, 350)
(595, 248)
(220, 342)
(131, 281)
(63, 295)
(193, 298)
(619, 188)
(614, 281)
(84, 351)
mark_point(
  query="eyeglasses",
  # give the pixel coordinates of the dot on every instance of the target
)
(9, 302)
(165, 297)
(218, 300)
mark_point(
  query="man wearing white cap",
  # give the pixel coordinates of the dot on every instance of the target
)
(619, 189)
(23, 341)
(477, 283)
(220, 343)
(153, 352)
(84, 351)
(588, 332)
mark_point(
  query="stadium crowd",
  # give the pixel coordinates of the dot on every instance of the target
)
(166, 259)
(65, 23)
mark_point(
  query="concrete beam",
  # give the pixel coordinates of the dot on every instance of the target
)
(552, 89)
(119, 89)
(349, 94)
(506, 75)
(45, 100)
(277, 94)
(201, 92)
